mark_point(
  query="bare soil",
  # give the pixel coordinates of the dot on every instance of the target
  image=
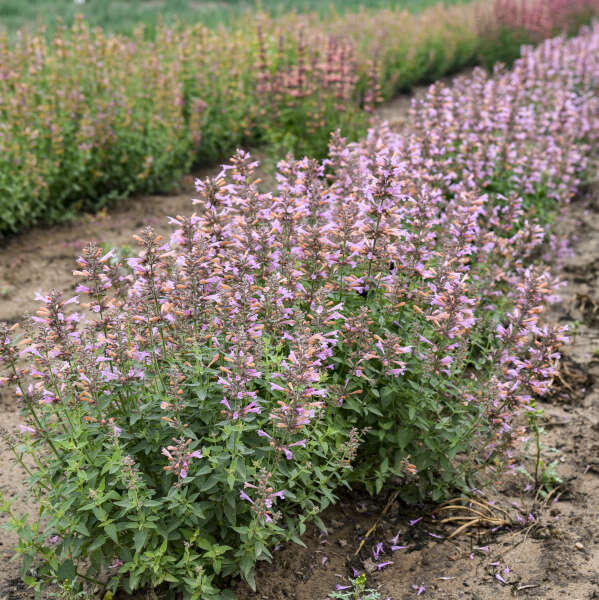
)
(550, 547)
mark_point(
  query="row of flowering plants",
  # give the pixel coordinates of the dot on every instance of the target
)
(514, 23)
(87, 118)
(377, 317)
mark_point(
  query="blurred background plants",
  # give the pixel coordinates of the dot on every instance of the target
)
(123, 16)
(88, 117)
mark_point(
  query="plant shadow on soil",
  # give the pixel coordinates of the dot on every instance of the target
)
(551, 549)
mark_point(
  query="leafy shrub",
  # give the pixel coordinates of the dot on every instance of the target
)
(378, 316)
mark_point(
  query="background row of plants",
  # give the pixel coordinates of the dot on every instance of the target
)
(87, 117)
(122, 17)
(378, 317)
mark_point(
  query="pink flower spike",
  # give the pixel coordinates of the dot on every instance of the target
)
(395, 548)
(340, 587)
(263, 434)
(382, 565)
(412, 523)
(244, 496)
(500, 578)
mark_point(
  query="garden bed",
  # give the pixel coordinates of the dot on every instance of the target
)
(439, 222)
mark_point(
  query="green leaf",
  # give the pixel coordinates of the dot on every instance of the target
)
(67, 570)
(26, 562)
(99, 513)
(250, 579)
(320, 523)
(140, 538)
(297, 540)
(373, 409)
(231, 513)
(82, 529)
(385, 465)
(246, 564)
(97, 543)
(133, 580)
(197, 510)
(110, 529)
(231, 480)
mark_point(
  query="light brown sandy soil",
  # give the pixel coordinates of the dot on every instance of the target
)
(554, 557)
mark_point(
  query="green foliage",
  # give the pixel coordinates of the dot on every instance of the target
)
(103, 484)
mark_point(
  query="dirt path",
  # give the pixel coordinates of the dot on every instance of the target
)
(550, 551)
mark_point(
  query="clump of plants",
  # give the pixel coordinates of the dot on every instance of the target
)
(89, 118)
(377, 317)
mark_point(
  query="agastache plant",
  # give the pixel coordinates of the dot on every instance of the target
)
(377, 315)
